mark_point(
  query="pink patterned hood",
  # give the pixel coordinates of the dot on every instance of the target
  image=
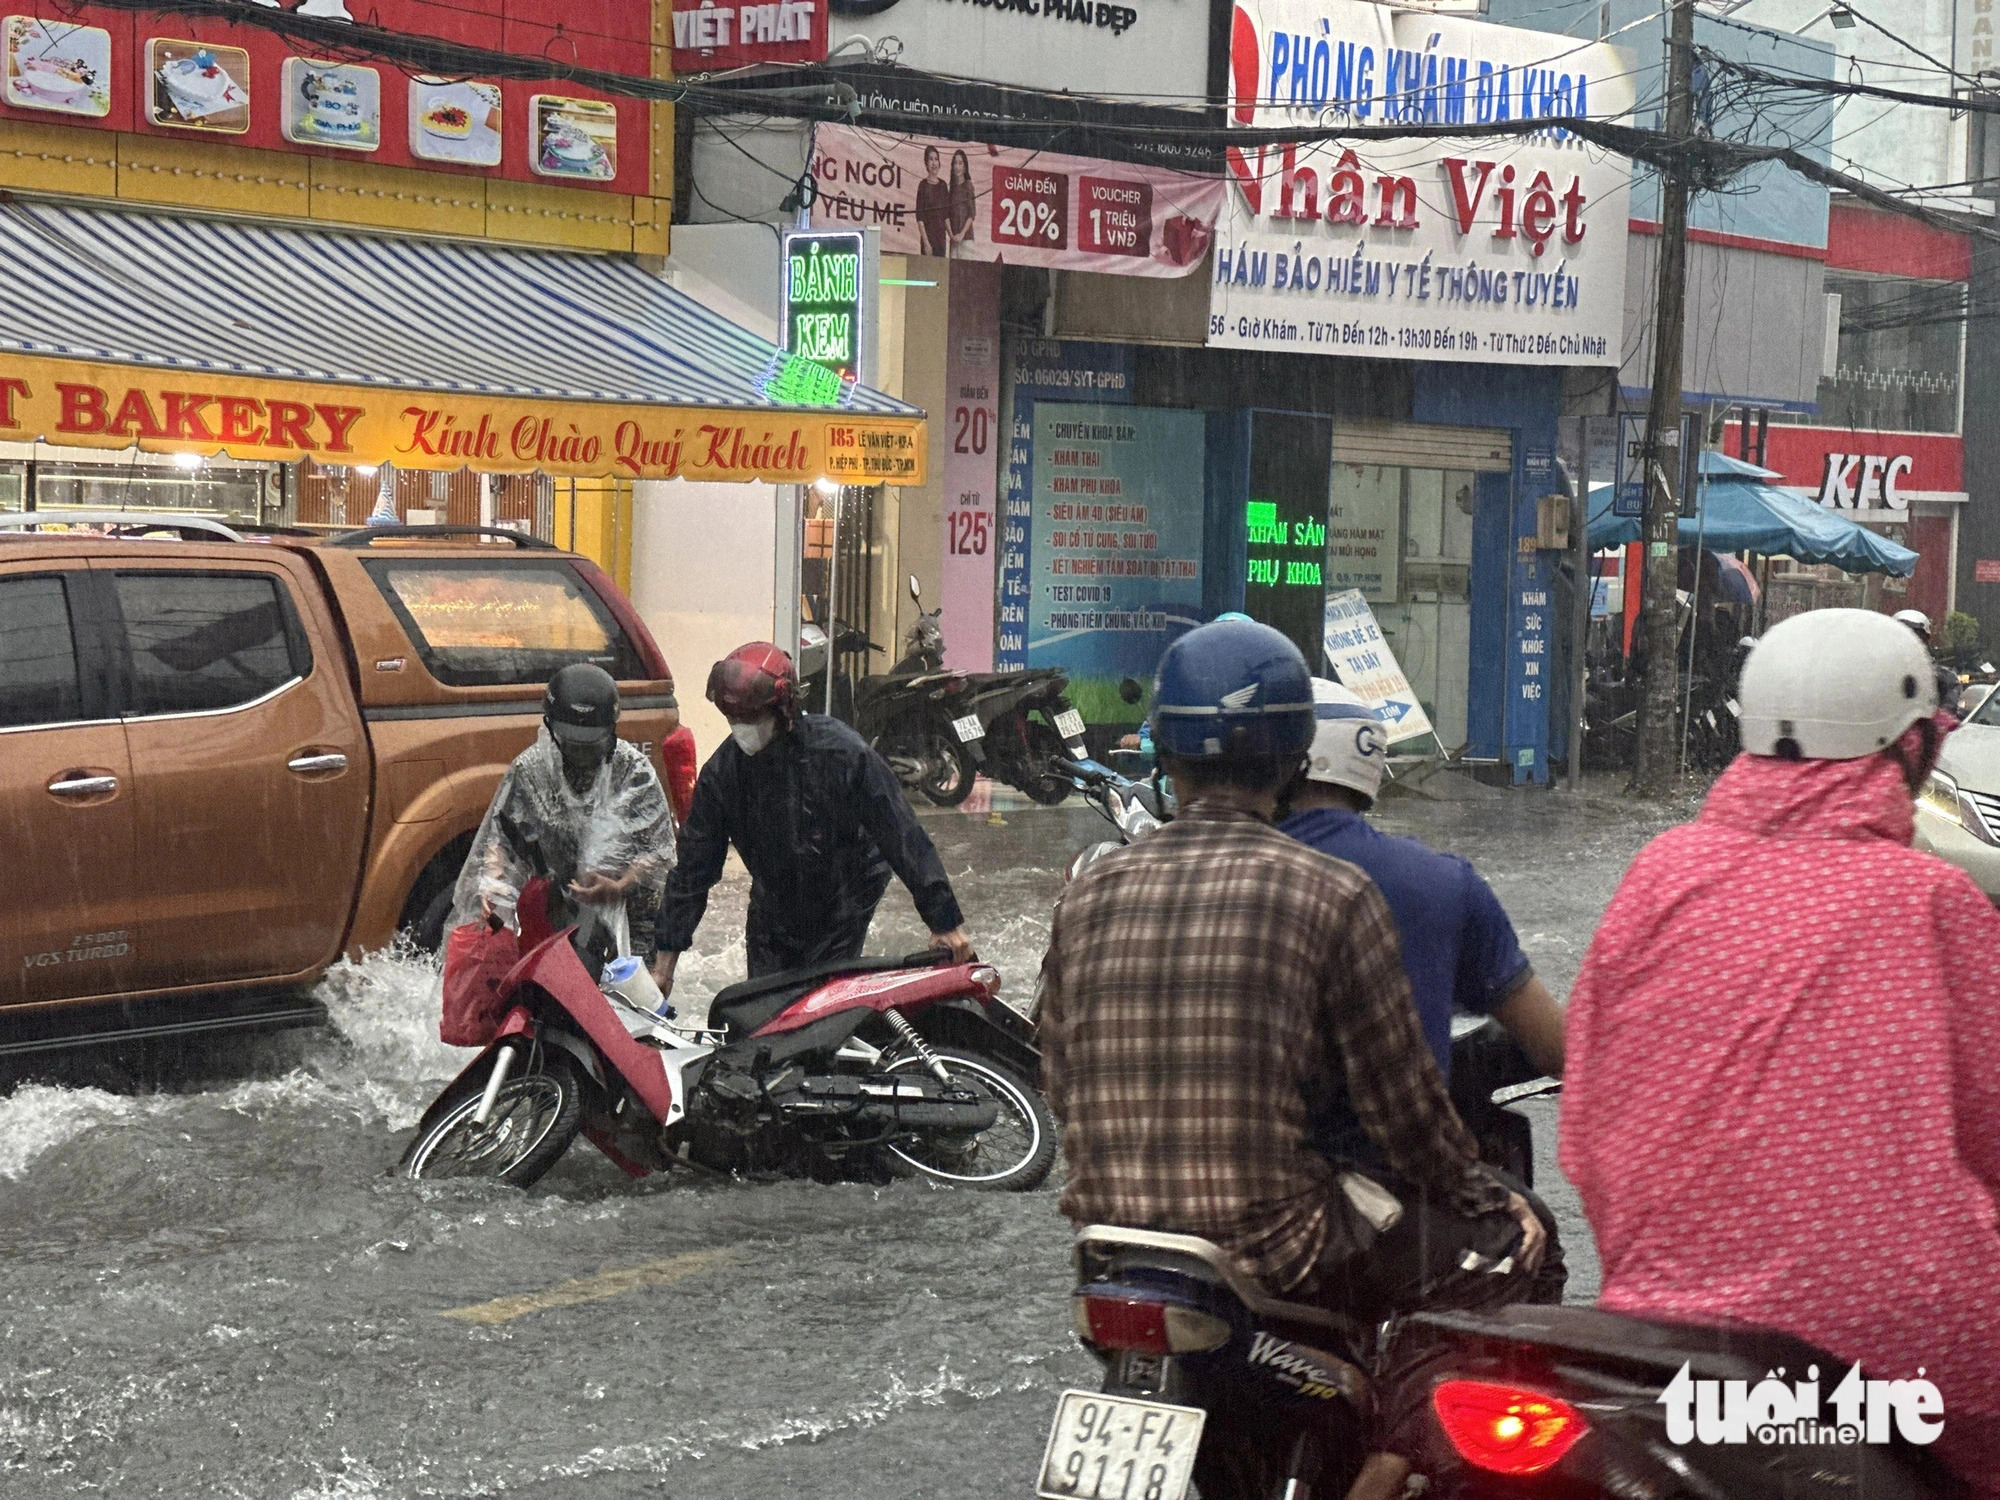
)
(1783, 1098)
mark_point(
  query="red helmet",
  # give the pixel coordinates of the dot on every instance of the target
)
(753, 680)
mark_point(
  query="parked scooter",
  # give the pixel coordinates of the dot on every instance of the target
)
(907, 1065)
(939, 728)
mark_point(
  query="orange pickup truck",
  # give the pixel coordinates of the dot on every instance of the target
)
(226, 760)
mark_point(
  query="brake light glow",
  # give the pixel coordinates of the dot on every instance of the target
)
(1504, 1429)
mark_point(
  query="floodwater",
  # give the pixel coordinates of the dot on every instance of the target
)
(213, 1288)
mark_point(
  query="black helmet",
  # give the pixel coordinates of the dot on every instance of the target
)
(581, 706)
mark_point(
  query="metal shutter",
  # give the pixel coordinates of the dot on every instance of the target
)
(1486, 450)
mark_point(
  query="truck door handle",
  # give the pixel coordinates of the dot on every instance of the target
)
(305, 765)
(73, 784)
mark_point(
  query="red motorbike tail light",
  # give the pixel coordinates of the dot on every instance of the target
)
(1146, 1326)
(987, 978)
(1504, 1429)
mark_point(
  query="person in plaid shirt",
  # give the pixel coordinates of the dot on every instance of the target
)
(1215, 991)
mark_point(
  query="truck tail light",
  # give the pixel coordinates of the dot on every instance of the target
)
(1504, 1429)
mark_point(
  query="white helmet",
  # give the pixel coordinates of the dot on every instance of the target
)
(1835, 684)
(1917, 620)
(1350, 746)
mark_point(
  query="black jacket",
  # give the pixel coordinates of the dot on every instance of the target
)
(820, 821)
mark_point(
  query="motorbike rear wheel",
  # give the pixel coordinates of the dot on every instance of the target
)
(1045, 745)
(950, 774)
(1011, 1155)
(534, 1119)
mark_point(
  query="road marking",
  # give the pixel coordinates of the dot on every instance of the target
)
(593, 1288)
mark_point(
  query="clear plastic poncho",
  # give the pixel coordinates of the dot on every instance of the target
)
(538, 824)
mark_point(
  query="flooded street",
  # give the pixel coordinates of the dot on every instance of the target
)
(213, 1288)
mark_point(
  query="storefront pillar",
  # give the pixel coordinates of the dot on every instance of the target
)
(594, 517)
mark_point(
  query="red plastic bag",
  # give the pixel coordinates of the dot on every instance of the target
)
(476, 960)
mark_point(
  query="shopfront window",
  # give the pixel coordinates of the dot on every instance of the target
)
(243, 495)
(1898, 366)
(1423, 596)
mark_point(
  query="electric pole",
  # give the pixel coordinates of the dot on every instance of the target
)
(1654, 764)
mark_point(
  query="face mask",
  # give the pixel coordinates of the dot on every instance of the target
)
(750, 738)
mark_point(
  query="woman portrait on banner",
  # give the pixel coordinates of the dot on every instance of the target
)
(933, 211)
(964, 206)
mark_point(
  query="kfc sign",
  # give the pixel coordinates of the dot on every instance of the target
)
(1865, 481)
(1871, 474)
(709, 37)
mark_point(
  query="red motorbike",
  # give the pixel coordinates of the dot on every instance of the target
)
(870, 1065)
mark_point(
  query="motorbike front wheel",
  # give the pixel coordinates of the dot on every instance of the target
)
(1011, 1155)
(534, 1119)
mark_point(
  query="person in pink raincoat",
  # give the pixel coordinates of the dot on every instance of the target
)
(1783, 1099)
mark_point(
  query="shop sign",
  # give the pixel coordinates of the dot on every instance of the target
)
(826, 301)
(1499, 249)
(1117, 541)
(1364, 531)
(1362, 660)
(1972, 37)
(1986, 570)
(1878, 473)
(971, 435)
(1043, 370)
(109, 406)
(1147, 48)
(130, 72)
(709, 37)
(1036, 208)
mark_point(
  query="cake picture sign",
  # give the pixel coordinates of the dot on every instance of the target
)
(55, 66)
(573, 137)
(332, 104)
(454, 121)
(197, 86)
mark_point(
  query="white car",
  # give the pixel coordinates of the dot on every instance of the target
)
(1958, 812)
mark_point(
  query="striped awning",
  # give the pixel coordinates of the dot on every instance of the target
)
(202, 335)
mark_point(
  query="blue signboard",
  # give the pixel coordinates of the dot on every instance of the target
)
(1117, 542)
(1043, 370)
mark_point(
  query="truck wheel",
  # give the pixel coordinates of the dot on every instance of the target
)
(428, 931)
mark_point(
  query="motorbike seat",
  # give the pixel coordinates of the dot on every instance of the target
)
(867, 689)
(742, 1008)
(1102, 1249)
(1647, 1348)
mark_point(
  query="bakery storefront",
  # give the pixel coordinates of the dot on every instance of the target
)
(261, 374)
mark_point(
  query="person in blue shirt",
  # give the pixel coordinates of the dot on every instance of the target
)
(1459, 949)
(1458, 946)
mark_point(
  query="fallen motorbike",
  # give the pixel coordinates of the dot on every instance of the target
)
(909, 1065)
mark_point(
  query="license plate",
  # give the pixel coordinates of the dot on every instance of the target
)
(969, 728)
(1069, 724)
(1115, 1448)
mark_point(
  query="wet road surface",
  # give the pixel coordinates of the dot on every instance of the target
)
(209, 1286)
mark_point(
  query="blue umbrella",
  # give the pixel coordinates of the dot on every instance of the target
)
(1742, 513)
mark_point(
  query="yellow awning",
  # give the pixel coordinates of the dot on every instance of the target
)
(192, 336)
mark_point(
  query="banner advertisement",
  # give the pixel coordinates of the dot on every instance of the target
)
(1363, 663)
(1042, 370)
(78, 404)
(998, 203)
(1364, 531)
(1507, 250)
(970, 431)
(1116, 555)
(1149, 48)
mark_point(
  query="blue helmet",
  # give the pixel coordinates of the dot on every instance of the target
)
(1235, 690)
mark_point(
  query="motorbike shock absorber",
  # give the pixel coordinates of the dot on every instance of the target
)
(917, 1044)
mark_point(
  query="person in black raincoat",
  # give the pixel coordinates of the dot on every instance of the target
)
(819, 819)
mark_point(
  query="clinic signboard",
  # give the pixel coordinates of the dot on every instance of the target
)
(1500, 249)
(1116, 550)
